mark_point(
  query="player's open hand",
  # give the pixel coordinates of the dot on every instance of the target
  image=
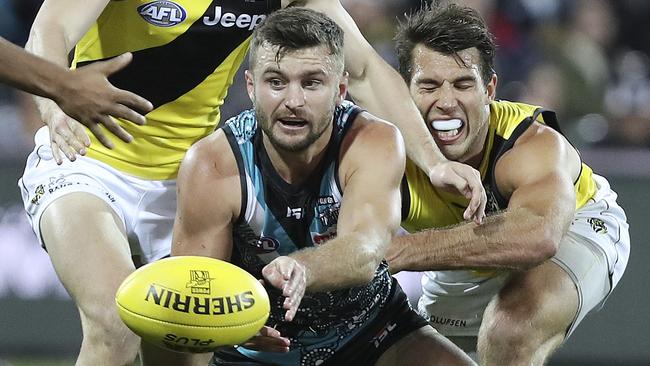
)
(88, 98)
(67, 136)
(462, 178)
(290, 276)
(268, 340)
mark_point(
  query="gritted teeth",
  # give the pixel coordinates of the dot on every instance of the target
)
(447, 134)
(447, 124)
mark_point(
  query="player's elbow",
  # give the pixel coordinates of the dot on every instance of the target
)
(48, 32)
(362, 275)
(365, 273)
(543, 248)
(369, 257)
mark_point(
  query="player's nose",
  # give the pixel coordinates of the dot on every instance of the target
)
(446, 97)
(295, 96)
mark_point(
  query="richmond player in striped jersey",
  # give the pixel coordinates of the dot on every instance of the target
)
(556, 243)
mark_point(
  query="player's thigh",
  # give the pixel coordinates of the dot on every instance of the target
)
(424, 346)
(542, 301)
(88, 247)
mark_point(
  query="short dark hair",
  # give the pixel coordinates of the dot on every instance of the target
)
(295, 28)
(446, 29)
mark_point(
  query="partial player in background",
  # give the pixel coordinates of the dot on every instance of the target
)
(93, 216)
(285, 191)
(556, 242)
(83, 94)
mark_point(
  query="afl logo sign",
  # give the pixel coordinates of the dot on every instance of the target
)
(162, 13)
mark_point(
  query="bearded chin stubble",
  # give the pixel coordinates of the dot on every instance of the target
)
(313, 135)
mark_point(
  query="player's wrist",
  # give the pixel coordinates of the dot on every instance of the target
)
(304, 266)
(432, 161)
(48, 110)
(437, 169)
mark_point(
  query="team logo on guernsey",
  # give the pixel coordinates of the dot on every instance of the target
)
(328, 210)
(162, 13)
(266, 245)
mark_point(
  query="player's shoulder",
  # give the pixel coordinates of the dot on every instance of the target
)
(372, 129)
(373, 140)
(539, 137)
(506, 118)
(209, 158)
(539, 151)
(510, 109)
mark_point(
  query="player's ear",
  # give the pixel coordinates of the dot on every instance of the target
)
(250, 85)
(343, 88)
(491, 87)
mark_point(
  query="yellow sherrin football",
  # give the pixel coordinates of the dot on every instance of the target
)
(192, 304)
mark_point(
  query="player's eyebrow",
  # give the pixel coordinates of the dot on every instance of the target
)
(432, 81)
(274, 70)
(460, 79)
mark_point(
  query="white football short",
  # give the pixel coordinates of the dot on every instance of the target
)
(594, 253)
(146, 207)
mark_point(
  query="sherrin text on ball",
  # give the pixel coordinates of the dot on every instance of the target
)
(192, 304)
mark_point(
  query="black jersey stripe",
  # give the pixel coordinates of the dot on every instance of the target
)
(234, 146)
(163, 74)
(500, 147)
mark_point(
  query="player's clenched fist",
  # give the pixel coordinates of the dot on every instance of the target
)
(290, 276)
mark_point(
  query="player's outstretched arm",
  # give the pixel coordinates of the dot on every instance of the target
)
(370, 210)
(203, 221)
(209, 200)
(27, 72)
(377, 87)
(85, 94)
(537, 176)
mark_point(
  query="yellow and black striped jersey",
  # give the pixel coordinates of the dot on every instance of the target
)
(186, 53)
(425, 207)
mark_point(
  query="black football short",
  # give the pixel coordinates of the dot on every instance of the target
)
(395, 320)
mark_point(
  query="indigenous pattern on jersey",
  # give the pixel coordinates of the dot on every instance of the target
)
(277, 219)
(425, 207)
(186, 53)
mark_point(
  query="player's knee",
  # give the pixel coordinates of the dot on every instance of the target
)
(507, 327)
(104, 330)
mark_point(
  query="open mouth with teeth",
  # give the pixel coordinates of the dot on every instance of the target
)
(292, 122)
(447, 130)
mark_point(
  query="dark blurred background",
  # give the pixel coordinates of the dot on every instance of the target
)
(586, 59)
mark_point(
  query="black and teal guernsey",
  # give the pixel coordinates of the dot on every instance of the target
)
(277, 219)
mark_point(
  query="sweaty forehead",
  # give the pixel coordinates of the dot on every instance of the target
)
(311, 57)
(427, 61)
